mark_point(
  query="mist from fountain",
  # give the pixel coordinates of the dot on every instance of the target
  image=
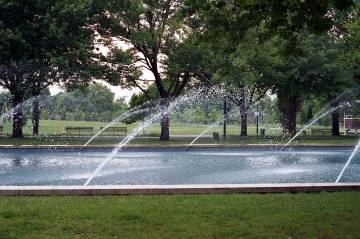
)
(348, 161)
(327, 109)
(313, 121)
(216, 123)
(26, 105)
(186, 99)
(137, 110)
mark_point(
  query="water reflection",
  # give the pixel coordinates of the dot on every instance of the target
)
(17, 160)
(174, 166)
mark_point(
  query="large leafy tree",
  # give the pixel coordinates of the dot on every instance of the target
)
(226, 23)
(351, 41)
(95, 102)
(42, 42)
(153, 38)
(314, 69)
(246, 73)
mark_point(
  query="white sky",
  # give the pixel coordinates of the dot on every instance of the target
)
(118, 91)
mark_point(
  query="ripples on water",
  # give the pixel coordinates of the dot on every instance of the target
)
(174, 166)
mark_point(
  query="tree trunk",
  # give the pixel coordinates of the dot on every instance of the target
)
(35, 118)
(335, 116)
(225, 117)
(165, 120)
(244, 118)
(335, 123)
(17, 116)
(293, 107)
(288, 107)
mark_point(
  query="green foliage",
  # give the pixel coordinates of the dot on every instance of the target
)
(5, 101)
(156, 39)
(43, 42)
(152, 94)
(351, 42)
(94, 103)
(46, 35)
(219, 19)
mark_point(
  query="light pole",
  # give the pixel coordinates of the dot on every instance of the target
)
(225, 116)
(257, 122)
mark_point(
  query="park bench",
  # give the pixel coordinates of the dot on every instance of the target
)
(303, 133)
(118, 131)
(321, 132)
(351, 123)
(79, 130)
(1, 129)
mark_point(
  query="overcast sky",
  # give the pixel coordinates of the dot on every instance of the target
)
(119, 92)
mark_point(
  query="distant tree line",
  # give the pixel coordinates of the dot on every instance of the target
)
(93, 103)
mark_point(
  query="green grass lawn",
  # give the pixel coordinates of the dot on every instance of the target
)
(56, 127)
(113, 141)
(50, 128)
(311, 215)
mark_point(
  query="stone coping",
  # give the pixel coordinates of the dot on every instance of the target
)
(106, 146)
(175, 189)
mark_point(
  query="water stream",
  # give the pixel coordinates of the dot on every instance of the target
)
(149, 121)
(348, 161)
(216, 123)
(127, 114)
(314, 120)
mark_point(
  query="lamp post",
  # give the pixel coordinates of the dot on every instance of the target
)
(257, 122)
(225, 115)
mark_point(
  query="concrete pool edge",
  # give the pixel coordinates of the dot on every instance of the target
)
(173, 146)
(175, 189)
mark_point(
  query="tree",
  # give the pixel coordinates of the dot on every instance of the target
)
(95, 102)
(243, 67)
(252, 67)
(313, 69)
(351, 42)
(223, 24)
(42, 42)
(154, 33)
(36, 109)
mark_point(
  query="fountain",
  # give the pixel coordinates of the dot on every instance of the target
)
(323, 112)
(314, 120)
(174, 104)
(173, 165)
(137, 110)
(216, 123)
(348, 161)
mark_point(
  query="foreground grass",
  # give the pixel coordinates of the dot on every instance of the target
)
(319, 215)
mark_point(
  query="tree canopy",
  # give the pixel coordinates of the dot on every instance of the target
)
(42, 42)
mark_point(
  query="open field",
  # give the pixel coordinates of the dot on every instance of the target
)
(311, 215)
(56, 127)
(155, 141)
(50, 130)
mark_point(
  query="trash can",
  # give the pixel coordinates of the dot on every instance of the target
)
(216, 136)
(262, 132)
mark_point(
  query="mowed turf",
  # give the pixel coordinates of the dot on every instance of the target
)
(56, 127)
(155, 141)
(311, 215)
(51, 129)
